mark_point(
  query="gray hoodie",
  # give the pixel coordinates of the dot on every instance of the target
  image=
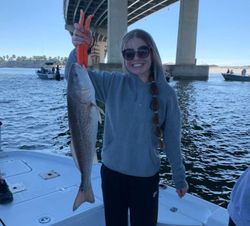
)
(129, 143)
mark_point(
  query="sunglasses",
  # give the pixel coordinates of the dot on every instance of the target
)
(154, 106)
(142, 52)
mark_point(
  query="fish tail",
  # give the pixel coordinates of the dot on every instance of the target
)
(83, 196)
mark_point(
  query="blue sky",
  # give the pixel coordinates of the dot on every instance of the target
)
(36, 27)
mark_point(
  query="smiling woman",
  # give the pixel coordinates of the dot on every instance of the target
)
(142, 117)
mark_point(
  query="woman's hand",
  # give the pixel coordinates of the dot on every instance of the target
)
(80, 36)
(181, 192)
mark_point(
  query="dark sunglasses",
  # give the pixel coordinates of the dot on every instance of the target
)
(142, 52)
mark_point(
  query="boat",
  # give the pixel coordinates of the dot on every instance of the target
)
(50, 71)
(44, 186)
(236, 77)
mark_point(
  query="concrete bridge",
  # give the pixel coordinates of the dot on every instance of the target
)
(110, 22)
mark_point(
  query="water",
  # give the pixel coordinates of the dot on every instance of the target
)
(33, 112)
(215, 116)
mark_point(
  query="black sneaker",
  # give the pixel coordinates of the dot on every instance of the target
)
(5, 194)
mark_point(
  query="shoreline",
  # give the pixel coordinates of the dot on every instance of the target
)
(212, 69)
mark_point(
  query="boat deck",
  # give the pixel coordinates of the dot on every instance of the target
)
(45, 186)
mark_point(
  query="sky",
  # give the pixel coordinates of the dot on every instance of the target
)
(37, 27)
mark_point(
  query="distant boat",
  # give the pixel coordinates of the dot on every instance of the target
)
(236, 77)
(50, 71)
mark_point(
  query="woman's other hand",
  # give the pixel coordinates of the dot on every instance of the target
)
(181, 192)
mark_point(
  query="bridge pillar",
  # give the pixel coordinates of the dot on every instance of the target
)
(98, 53)
(185, 67)
(187, 32)
(103, 50)
(117, 27)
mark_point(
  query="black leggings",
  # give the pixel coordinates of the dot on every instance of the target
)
(121, 193)
(231, 223)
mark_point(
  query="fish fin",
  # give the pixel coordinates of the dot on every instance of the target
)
(99, 117)
(99, 112)
(73, 152)
(95, 159)
(83, 196)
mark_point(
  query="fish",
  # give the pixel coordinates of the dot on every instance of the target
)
(83, 117)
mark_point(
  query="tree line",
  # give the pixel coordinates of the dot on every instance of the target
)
(13, 57)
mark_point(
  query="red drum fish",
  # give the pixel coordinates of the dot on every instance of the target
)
(83, 117)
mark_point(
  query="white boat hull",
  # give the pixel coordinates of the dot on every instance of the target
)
(48, 76)
(45, 185)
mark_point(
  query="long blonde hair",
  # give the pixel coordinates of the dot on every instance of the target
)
(156, 75)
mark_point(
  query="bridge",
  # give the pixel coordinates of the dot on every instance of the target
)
(136, 10)
(114, 16)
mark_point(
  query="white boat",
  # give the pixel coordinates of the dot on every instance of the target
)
(44, 186)
(49, 71)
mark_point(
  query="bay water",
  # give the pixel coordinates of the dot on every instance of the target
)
(215, 126)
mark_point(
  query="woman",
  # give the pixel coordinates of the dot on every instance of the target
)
(141, 116)
(239, 205)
